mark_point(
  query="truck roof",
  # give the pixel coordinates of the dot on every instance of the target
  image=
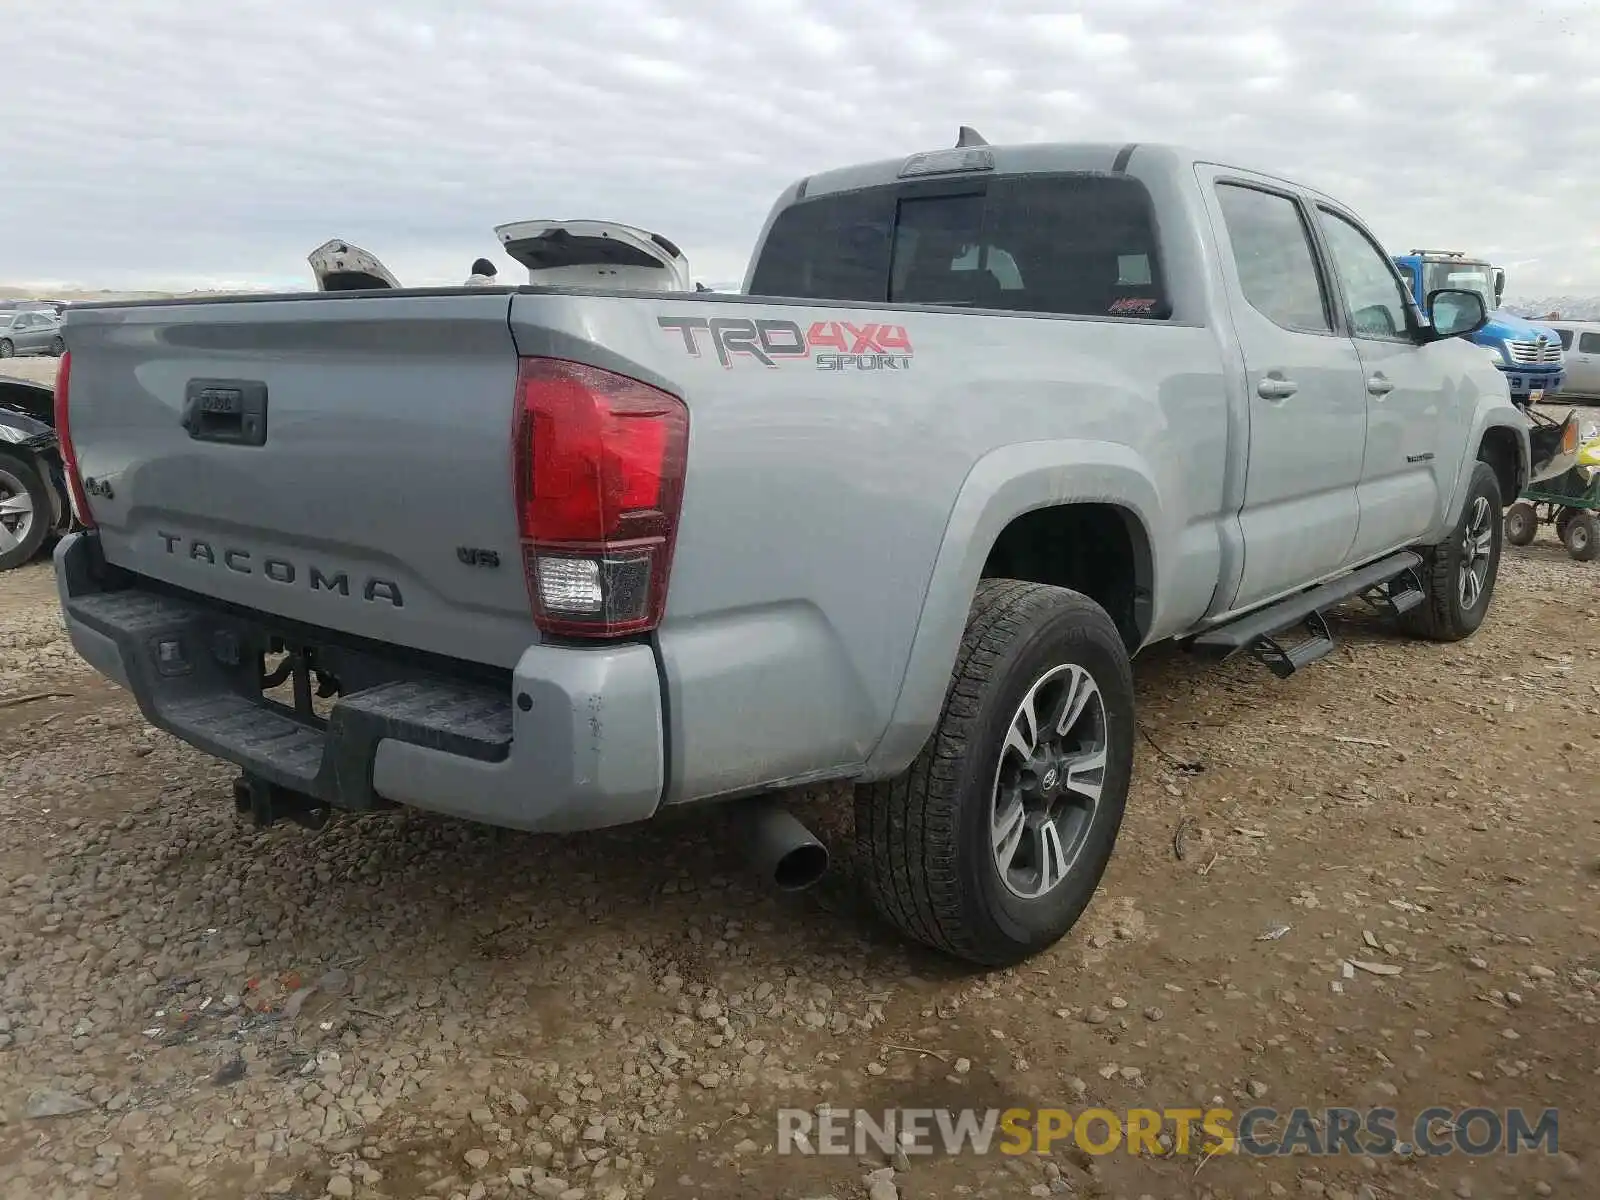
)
(1025, 158)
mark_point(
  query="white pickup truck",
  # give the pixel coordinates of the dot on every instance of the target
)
(983, 424)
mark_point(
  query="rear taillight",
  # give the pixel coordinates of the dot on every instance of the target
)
(599, 462)
(69, 457)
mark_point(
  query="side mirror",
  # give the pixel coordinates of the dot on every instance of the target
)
(1455, 312)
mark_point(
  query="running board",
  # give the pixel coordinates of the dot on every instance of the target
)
(1391, 586)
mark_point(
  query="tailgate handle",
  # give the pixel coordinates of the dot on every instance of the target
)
(230, 411)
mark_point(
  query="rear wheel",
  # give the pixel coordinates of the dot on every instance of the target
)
(1582, 536)
(992, 843)
(58, 347)
(1458, 575)
(1522, 523)
(6, 348)
(24, 512)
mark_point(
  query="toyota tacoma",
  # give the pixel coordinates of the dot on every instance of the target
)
(982, 423)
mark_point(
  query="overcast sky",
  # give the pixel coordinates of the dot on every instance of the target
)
(177, 143)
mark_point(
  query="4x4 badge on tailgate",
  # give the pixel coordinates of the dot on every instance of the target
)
(832, 345)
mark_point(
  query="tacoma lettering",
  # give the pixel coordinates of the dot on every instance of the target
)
(321, 583)
(281, 570)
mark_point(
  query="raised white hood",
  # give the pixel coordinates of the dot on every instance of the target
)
(340, 266)
(601, 254)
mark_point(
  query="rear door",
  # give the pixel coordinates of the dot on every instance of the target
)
(339, 461)
(1307, 404)
(1407, 472)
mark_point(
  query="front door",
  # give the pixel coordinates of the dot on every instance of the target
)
(1407, 476)
(21, 334)
(1303, 376)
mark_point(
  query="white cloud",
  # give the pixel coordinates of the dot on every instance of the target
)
(153, 142)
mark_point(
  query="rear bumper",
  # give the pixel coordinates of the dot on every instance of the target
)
(569, 739)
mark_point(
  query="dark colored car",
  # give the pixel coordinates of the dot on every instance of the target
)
(34, 502)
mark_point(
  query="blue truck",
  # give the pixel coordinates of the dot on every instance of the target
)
(1529, 355)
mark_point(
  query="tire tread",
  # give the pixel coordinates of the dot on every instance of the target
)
(1434, 619)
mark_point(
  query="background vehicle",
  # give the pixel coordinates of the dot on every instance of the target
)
(596, 254)
(600, 254)
(30, 331)
(1529, 354)
(981, 424)
(1581, 342)
(33, 491)
(339, 266)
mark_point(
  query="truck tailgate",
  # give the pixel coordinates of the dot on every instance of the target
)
(344, 462)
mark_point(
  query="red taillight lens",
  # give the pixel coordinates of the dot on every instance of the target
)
(599, 476)
(69, 457)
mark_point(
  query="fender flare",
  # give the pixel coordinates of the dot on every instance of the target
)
(1492, 413)
(1003, 485)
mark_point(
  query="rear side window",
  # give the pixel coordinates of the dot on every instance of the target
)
(1273, 256)
(1589, 343)
(1077, 245)
(834, 248)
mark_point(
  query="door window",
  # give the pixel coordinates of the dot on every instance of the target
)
(1377, 302)
(1589, 343)
(1273, 256)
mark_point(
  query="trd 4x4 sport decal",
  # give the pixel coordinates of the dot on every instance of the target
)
(832, 345)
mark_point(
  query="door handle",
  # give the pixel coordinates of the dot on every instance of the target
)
(1271, 388)
(1377, 385)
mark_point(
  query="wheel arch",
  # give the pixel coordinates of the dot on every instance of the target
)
(1499, 448)
(1099, 548)
(1015, 503)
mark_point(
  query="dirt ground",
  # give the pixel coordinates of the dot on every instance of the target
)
(402, 1005)
(40, 368)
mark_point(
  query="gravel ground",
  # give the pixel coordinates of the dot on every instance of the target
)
(38, 367)
(402, 1005)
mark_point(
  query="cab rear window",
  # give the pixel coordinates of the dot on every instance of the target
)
(1077, 245)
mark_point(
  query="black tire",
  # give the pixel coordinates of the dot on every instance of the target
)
(6, 348)
(925, 841)
(1582, 536)
(1563, 519)
(19, 477)
(58, 347)
(1444, 616)
(1522, 523)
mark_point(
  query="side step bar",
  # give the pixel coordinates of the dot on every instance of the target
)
(1390, 586)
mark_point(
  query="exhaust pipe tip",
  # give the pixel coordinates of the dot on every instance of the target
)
(779, 847)
(801, 867)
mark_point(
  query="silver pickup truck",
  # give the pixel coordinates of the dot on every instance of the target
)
(982, 423)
